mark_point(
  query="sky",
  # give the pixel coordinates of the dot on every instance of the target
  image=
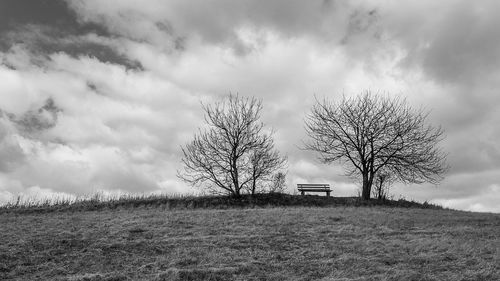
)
(99, 96)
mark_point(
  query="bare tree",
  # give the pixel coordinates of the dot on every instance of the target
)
(264, 161)
(234, 155)
(370, 133)
(278, 183)
(381, 184)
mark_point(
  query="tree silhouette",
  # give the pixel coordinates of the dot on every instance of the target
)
(370, 133)
(234, 155)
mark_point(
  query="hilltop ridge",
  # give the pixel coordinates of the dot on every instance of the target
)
(201, 202)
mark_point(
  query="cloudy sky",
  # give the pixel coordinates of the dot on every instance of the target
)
(99, 95)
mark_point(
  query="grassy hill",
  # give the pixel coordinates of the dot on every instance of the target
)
(248, 241)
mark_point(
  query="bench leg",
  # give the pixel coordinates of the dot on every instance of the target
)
(328, 194)
(302, 193)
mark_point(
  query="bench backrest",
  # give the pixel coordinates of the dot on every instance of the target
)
(313, 185)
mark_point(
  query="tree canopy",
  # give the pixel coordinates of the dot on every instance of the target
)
(234, 155)
(371, 133)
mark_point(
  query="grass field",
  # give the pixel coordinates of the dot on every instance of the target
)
(273, 243)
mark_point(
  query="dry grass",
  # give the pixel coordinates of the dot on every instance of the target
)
(292, 243)
(100, 201)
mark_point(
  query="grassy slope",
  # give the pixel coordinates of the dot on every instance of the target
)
(292, 243)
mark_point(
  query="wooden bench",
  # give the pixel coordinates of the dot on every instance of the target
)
(314, 187)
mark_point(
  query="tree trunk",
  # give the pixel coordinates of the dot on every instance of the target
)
(365, 195)
(235, 176)
(254, 183)
(236, 192)
(380, 186)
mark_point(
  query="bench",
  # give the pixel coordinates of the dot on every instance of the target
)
(314, 187)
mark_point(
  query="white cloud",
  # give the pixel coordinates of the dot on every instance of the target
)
(120, 128)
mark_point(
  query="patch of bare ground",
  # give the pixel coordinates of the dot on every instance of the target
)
(292, 243)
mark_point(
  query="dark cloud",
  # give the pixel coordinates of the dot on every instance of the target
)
(46, 27)
(51, 13)
(38, 120)
(42, 41)
(361, 22)
(455, 42)
(18, 12)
